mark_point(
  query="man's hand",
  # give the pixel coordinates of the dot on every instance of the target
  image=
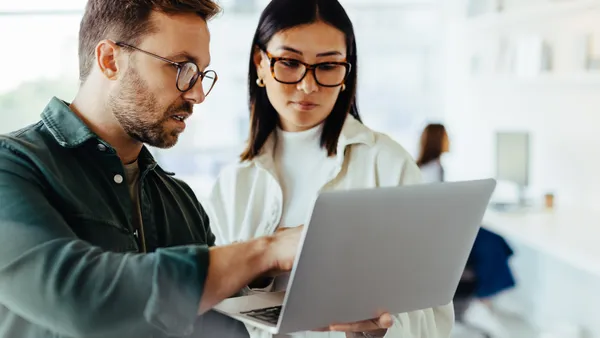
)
(281, 229)
(266, 279)
(376, 327)
(232, 267)
(283, 249)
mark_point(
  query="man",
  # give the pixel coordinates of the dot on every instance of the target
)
(96, 239)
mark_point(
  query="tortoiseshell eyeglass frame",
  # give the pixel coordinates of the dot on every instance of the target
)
(309, 67)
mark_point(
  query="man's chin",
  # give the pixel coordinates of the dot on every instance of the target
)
(163, 140)
(163, 143)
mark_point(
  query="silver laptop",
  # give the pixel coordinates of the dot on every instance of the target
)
(365, 252)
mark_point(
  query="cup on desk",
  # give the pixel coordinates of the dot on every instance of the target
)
(549, 201)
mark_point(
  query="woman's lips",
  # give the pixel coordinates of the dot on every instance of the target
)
(305, 105)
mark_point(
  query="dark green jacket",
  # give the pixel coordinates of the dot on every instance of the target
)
(69, 260)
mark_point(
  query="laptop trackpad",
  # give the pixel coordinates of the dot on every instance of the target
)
(246, 303)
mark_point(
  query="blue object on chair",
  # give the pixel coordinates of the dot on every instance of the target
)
(489, 261)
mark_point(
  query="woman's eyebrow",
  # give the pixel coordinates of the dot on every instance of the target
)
(290, 49)
(332, 53)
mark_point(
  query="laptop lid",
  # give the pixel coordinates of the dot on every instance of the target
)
(396, 249)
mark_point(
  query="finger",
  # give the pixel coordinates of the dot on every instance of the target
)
(281, 229)
(365, 325)
(385, 321)
(323, 329)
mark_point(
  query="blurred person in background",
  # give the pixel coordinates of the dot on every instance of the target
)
(433, 144)
(306, 136)
(488, 262)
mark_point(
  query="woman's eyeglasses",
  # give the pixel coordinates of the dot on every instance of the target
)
(187, 72)
(292, 71)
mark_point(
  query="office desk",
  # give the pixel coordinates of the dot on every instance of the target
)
(571, 236)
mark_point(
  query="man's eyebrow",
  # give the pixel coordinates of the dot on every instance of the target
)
(290, 49)
(183, 55)
(189, 57)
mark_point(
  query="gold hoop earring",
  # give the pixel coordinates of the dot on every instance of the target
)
(343, 87)
(260, 82)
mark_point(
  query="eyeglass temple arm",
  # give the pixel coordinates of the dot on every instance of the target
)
(121, 44)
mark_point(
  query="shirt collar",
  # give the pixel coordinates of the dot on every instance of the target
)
(64, 125)
(71, 132)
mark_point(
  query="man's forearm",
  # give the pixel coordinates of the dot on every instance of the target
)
(231, 268)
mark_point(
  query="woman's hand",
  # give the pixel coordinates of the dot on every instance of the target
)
(376, 327)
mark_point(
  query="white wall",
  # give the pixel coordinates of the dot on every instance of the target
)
(564, 123)
(562, 113)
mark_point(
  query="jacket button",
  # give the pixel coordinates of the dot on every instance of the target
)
(101, 147)
(118, 179)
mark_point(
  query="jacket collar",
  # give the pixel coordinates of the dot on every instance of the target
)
(353, 132)
(66, 127)
(71, 132)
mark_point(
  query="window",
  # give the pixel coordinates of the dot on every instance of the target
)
(399, 60)
(39, 60)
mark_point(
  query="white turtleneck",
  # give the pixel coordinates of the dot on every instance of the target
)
(303, 168)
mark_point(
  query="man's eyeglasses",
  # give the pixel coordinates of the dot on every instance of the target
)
(292, 71)
(187, 72)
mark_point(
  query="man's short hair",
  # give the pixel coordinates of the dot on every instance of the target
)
(128, 21)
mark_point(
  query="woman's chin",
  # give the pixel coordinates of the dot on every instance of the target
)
(299, 121)
(300, 125)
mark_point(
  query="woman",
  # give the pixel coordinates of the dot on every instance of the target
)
(306, 137)
(434, 143)
(488, 261)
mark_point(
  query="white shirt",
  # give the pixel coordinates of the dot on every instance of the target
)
(247, 202)
(302, 167)
(432, 172)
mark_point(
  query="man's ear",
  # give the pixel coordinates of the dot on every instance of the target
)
(107, 53)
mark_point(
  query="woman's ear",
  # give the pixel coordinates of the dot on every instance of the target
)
(258, 61)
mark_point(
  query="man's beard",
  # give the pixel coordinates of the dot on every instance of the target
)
(136, 108)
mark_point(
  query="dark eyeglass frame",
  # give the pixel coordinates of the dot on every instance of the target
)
(309, 67)
(179, 65)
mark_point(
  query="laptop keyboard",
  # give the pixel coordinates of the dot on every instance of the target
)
(269, 314)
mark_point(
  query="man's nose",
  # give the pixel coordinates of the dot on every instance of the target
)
(196, 94)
